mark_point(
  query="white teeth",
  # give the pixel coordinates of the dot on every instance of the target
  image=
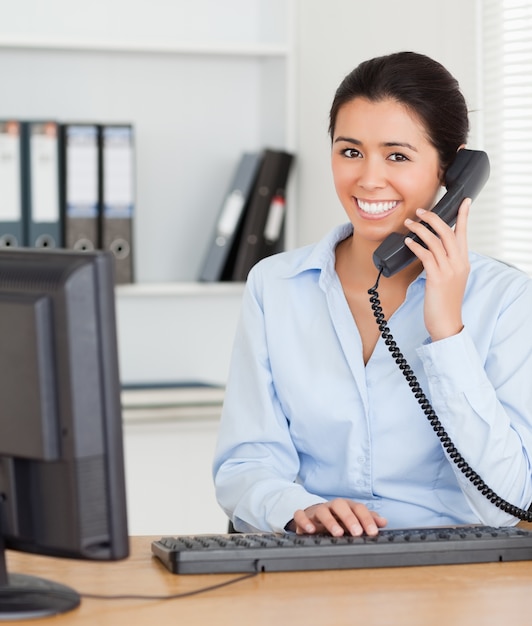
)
(374, 208)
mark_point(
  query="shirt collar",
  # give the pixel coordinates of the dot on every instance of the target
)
(322, 256)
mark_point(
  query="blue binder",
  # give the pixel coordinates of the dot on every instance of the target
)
(11, 215)
(41, 189)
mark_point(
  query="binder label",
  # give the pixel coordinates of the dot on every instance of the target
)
(44, 156)
(231, 211)
(82, 168)
(118, 189)
(274, 221)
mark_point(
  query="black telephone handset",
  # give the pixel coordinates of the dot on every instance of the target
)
(464, 178)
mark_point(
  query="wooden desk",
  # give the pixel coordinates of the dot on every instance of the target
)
(483, 594)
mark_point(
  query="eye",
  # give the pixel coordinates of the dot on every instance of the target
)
(398, 157)
(350, 153)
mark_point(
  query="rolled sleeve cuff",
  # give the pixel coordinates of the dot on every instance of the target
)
(452, 365)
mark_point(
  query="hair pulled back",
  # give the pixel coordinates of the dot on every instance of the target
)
(422, 85)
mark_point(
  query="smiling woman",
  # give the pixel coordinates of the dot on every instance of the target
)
(320, 432)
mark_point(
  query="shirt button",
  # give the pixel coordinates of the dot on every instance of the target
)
(361, 459)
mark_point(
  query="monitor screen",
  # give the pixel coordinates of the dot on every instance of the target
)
(62, 485)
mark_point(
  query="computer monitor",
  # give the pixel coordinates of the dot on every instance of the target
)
(62, 485)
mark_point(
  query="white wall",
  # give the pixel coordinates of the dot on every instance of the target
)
(333, 36)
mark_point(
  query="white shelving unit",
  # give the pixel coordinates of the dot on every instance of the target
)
(201, 81)
(200, 85)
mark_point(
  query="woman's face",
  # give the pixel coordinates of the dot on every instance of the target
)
(384, 166)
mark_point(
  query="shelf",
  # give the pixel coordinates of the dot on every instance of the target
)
(179, 289)
(203, 49)
(177, 331)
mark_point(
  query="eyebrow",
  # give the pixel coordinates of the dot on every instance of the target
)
(386, 144)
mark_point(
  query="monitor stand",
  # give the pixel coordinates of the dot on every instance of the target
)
(28, 597)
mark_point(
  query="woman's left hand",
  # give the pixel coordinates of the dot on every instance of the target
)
(446, 264)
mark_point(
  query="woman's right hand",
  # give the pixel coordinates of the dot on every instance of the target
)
(338, 517)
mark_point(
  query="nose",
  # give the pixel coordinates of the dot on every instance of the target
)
(372, 174)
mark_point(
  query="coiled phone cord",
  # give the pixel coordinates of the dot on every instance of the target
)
(429, 412)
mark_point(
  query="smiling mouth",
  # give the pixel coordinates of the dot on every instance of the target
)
(376, 208)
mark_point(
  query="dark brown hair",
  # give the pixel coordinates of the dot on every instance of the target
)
(422, 85)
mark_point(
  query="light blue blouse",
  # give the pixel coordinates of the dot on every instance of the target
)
(305, 421)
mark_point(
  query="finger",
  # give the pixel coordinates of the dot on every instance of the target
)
(379, 520)
(356, 518)
(329, 521)
(426, 232)
(303, 523)
(423, 252)
(445, 233)
(344, 511)
(431, 228)
(439, 240)
(370, 521)
(450, 244)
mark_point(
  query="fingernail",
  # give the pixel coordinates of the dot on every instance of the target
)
(420, 211)
(408, 221)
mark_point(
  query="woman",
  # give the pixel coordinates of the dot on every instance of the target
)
(320, 431)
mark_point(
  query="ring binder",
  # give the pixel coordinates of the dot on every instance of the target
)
(262, 229)
(219, 262)
(41, 193)
(80, 185)
(11, 215)
(117, 196)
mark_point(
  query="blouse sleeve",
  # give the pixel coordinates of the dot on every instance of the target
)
(481, 390)
(256, 463)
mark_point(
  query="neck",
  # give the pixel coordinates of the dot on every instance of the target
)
(355, 258)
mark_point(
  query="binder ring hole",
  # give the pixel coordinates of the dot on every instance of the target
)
(45, 241)
(120, 248)
(85, 245)
(8, 241)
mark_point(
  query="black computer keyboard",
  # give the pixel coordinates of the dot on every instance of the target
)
(204, 554)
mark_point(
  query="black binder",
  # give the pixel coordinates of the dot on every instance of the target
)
(221, 253)
(117, 201)
(262, 232)
(80, 178)
(11, 215)
(41, 186)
